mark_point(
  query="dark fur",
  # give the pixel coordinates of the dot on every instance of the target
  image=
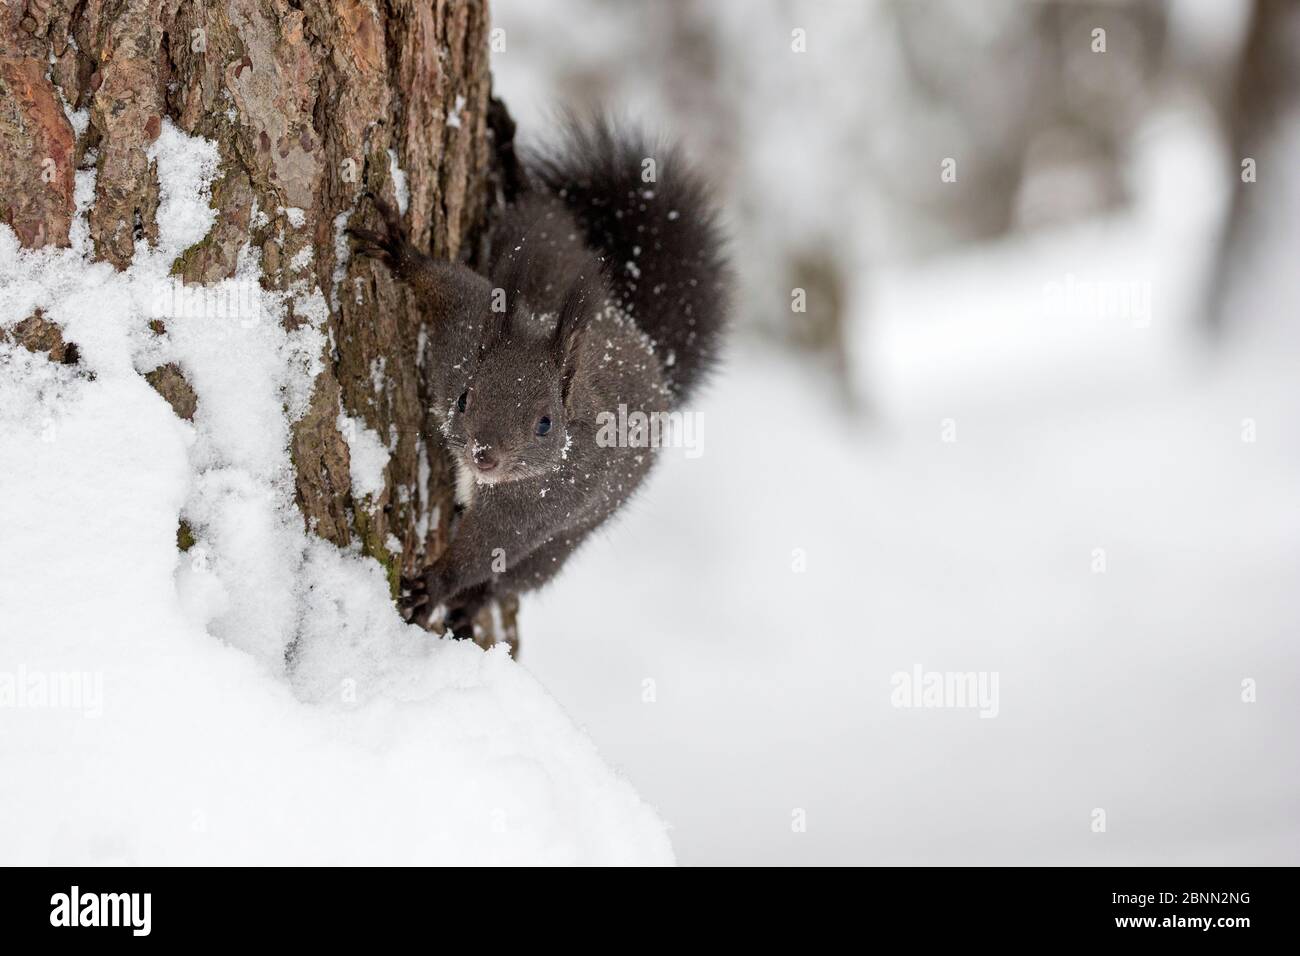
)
(581, 334)
(660, 241)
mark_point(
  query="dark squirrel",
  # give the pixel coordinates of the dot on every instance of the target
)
(606, 285)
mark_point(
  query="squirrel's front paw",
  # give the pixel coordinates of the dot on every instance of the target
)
(459, 620)
(424, 598)
(386, 246)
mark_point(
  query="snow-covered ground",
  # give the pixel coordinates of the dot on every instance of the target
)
(145, 712)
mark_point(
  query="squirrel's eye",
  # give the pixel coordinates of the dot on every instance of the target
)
(462, 401)
(543, 425)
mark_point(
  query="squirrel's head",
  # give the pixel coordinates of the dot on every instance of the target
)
(510, 418)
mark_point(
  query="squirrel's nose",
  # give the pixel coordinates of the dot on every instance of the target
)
(483, 458)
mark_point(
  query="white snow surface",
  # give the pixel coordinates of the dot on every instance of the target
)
(401, 188)
(147, 714)
(368, 456)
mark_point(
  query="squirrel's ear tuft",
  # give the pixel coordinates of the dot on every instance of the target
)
(508, 279)
(570, 326)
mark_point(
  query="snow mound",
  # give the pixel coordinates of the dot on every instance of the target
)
(147, 713)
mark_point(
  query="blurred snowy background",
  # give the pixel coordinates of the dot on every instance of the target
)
(1039, 420)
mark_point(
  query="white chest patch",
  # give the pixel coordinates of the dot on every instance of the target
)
(464, 483)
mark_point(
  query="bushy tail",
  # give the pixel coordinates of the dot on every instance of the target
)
(650, 216)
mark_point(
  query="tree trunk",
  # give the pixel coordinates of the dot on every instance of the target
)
(307, 101)
(1262, 93)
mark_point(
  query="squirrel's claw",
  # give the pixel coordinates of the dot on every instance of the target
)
(385, 245)
(420, 616)
(392, 219)
(372, 244)
(420, 600)
(424, 604)
(460, 622)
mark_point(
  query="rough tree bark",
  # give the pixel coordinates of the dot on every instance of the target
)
(305, 99)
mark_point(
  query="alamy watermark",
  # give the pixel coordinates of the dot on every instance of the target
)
(129, 910)
(235, 299)
(53, 690)
(637, 429)
(946, 689)
(1100, 299)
